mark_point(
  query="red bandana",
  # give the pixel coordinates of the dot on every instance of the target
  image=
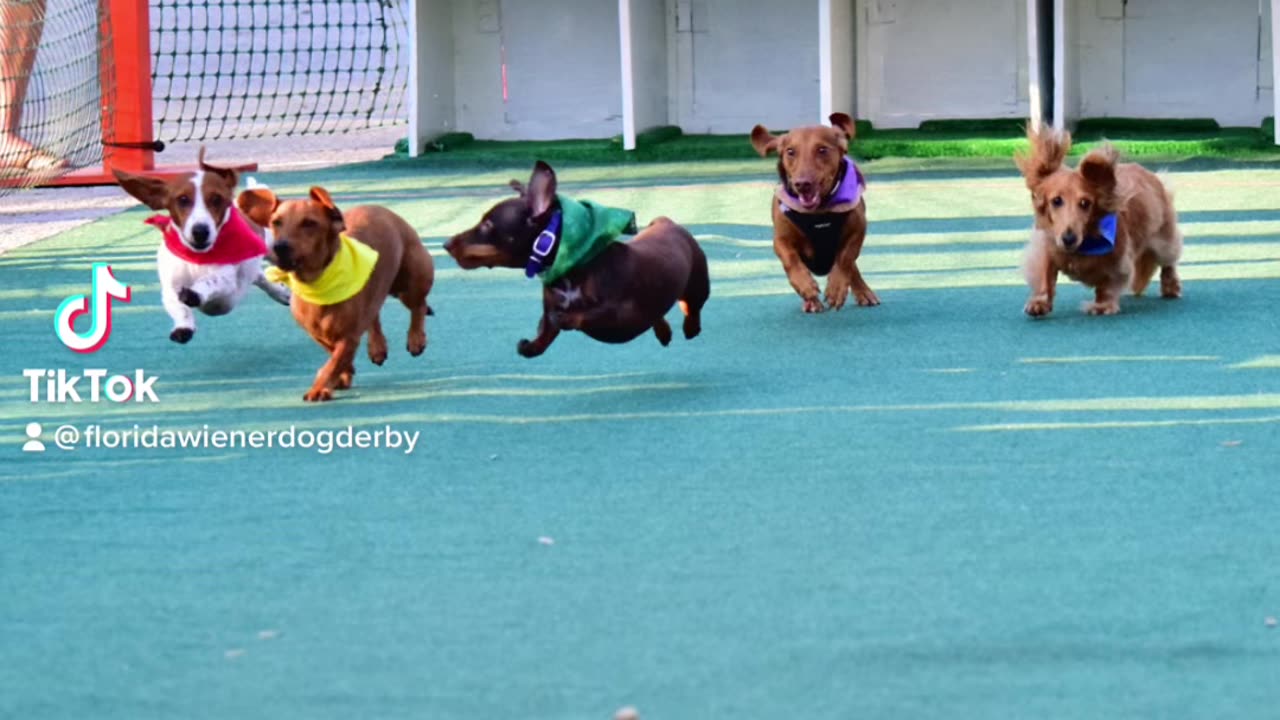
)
(236, 242)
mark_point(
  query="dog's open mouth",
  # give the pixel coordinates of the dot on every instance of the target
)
(810, 200)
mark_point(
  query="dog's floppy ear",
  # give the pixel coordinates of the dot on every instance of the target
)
(540, 193)
(1098, 169)
(321, 196)
(227, 174)
(764, 141)
(1049, 148)
(257, 204)
(844, 124)
(151, 191)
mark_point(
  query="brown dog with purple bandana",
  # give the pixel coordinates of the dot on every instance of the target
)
(819, 215)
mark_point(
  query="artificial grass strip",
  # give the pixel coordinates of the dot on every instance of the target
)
(1166, 140)
(1164, 126)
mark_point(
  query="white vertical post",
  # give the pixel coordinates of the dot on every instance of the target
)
(1275, 63)
(628, 76)
(826, 75)
(1033, 64)
(415, 90)
(432, 93)
(1060, 64)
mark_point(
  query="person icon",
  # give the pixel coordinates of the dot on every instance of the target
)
(33, 444)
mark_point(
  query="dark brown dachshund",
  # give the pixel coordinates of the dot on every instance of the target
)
(613, 291)
(819, 215)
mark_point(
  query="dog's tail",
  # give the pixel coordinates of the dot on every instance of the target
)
(1049, 148)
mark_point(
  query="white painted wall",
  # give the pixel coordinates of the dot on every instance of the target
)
(477, 49)
(1170, 59)
(563, 69)
(836, 58)
(431, 79)
(925, 59)
(649, 58)
(735, 63)
(1273, 16)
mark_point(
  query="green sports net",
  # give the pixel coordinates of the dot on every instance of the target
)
(262, 68)
(234, 69)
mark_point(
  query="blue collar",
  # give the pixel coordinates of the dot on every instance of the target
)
(1104, 243)
(543, 246)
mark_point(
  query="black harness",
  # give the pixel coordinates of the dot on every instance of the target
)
(824, 231)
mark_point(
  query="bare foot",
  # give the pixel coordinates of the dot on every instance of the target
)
(17, 153)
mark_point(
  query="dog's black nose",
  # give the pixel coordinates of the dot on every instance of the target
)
(803, 188)
(1069, 237)
(200, 236)
(284, 255)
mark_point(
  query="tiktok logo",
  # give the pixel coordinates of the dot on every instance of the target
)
(105, 288)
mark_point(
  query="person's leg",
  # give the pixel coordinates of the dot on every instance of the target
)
(21, 25)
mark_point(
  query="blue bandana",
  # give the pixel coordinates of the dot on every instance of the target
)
(1104, 243)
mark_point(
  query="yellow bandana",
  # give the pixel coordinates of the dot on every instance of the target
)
(343, 278)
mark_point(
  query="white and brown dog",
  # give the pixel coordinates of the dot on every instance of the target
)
(210, 255)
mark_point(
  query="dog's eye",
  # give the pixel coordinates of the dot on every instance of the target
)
(184, 201)
(791, 152)
(1057, 202)
(215, 201)
(822, 149)
(308, 223)
(1084, 204)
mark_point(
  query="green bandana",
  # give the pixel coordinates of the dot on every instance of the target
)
(586, 229)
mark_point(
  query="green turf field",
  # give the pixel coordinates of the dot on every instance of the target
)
(937, 508)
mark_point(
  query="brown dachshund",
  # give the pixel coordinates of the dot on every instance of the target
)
(819, 215)
(613, 291)
(341, 268)
(1106, 224)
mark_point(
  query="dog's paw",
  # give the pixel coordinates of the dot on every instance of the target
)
(416, 344)
(318, 395)
(1038, 307)
(1097, 308)
(189, 297)
(866, 298)
(837, 293)
(662, 331)
(692, 326)
(812, 305)
(377, 352)
(1170, 289)
(528, 349)
(182, 335)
